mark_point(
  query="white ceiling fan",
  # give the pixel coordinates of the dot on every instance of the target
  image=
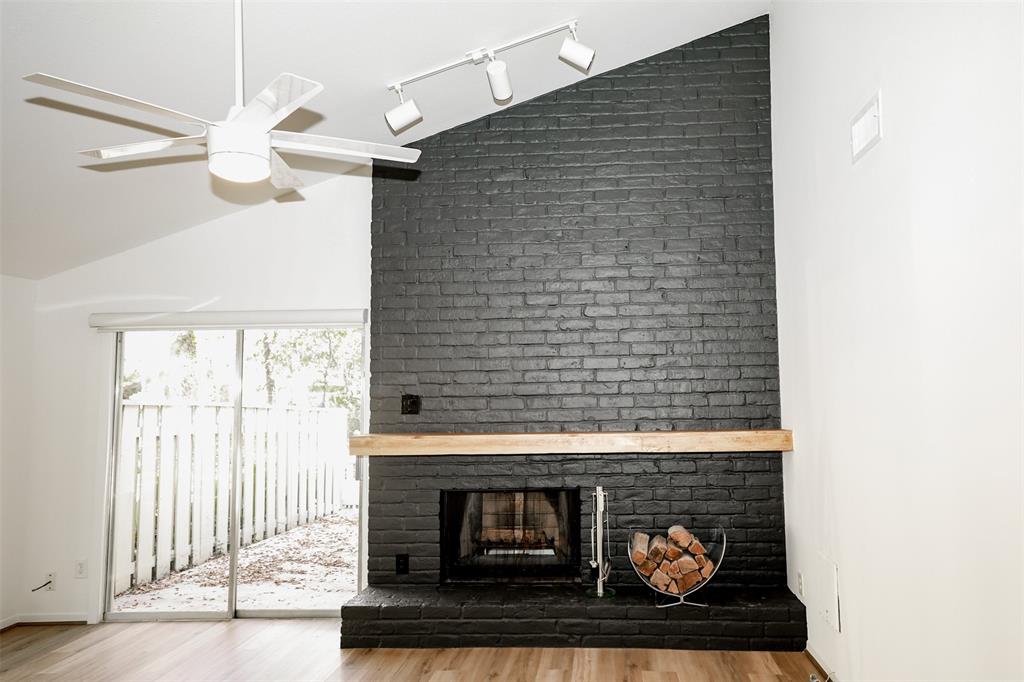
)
(242, 147)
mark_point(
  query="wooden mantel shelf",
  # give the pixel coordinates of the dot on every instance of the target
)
(578, 443)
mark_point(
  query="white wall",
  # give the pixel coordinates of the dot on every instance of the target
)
(17, 301)
(899, 290)
(312, 254)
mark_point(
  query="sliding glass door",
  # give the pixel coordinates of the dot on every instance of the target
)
(171, 535)
(233, 490)
(299, 522)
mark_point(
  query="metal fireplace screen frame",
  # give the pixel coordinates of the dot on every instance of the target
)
(528, 535)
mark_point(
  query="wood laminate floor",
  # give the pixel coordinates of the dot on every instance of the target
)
(308, 650)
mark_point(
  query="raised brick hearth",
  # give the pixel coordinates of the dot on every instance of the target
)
(759, 619)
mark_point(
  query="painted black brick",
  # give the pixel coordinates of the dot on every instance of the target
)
(646, 491)
(597, 258)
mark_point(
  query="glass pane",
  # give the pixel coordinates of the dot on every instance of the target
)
(302, 395)
(173, 472)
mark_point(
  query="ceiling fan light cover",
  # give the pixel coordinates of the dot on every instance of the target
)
(239, 153)
(239, 167)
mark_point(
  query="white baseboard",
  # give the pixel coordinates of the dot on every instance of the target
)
(44, 618)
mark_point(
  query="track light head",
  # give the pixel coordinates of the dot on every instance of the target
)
(497, 77)
(405, 115)
(575, 53)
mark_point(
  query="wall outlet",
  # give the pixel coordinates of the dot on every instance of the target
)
(800, 584)
(401, 564)
(81, 569)
(52, 578)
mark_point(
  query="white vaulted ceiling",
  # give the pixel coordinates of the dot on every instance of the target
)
(60, 209)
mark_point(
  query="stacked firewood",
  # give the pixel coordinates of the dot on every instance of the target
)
(672, 565)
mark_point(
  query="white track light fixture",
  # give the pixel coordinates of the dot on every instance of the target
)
(404, 115)
(573, 52)
(576, 53)
(497, 77)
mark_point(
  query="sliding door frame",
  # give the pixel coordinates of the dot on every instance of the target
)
(234, 509)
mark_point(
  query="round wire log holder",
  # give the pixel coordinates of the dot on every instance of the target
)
(715, 551)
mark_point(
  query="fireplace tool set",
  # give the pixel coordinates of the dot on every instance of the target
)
(600, 561)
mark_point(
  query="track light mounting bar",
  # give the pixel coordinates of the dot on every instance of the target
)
(480, 54)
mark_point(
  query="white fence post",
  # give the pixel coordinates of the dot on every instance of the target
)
(247, 478)
(124, 502)
(166, 453)
(204, 484)
(261, 484)
(145, 522)
(182, 421)
(225, 426)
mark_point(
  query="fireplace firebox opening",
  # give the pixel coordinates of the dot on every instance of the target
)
(530, 535)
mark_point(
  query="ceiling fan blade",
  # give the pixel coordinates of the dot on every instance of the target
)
(281, 174)
(89, 91)
(303, 142)
(135, 148)
(284, 95)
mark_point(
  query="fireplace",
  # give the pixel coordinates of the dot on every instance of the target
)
(442, 573)
(529, 535)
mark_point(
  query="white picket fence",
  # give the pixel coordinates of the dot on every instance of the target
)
(174, 477)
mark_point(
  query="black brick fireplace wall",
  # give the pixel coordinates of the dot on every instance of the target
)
(597, 258)
(600, 257)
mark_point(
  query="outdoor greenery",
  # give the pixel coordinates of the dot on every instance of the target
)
(282, 367)
(328, 363)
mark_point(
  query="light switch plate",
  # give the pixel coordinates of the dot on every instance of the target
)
(866, 128)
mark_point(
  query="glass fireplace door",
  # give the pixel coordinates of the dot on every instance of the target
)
(511, 535)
